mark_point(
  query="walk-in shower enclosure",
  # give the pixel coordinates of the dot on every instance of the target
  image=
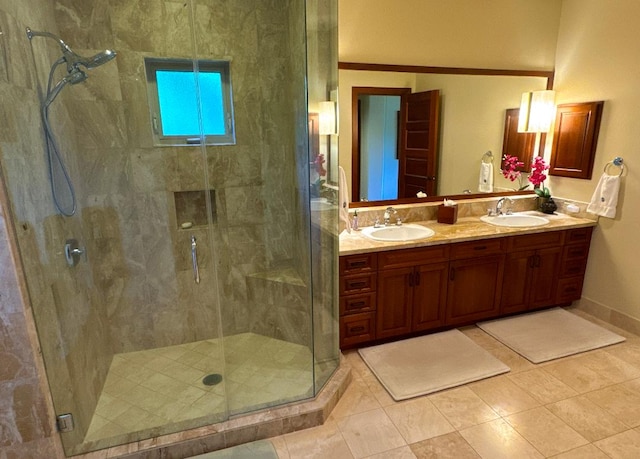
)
(195, 279)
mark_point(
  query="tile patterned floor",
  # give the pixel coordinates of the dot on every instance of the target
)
(584, 406)
(155, 387)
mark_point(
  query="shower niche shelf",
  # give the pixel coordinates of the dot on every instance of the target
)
(191, 208)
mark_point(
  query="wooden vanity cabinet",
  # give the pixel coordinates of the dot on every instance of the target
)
(411, 290)
(402, 292)
(475, 279)
(531, 271)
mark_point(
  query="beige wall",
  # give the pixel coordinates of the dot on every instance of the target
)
(517, 34)
(597, 59)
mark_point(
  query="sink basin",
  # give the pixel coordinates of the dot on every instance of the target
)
(405, 232)
(515, 220)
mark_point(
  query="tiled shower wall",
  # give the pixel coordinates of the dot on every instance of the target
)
(255, 226)
(66, 301)
(137, 291)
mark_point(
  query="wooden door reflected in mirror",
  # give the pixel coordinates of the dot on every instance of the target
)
(394, 143)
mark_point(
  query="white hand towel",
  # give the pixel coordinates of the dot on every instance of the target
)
(343, 199)
(605, 197)
(485, 182)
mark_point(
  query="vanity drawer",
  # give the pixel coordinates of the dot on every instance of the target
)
(360, 263)
(536, 241)
(573, 267)
(357, 328)
(477, 248)
(579, 235)
(569, 289)
(576, 252)
(413, 257)
(353, 304)
(358, 283)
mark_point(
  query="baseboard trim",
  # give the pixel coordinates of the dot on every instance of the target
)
(611, 316)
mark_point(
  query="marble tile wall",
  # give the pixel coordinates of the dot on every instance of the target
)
(26, 419)
(64, 299)
(256, 227)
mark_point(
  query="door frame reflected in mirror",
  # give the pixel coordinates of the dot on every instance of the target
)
(356, 140)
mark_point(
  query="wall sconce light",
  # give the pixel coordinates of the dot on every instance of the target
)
(537, 110)
(327, 118)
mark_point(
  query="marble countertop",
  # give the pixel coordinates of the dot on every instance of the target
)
(465, 229)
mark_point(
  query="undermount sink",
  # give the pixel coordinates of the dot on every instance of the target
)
(405, 232)
(515, 220)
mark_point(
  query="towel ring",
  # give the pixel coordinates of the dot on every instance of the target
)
(488, 156)
(618, 162)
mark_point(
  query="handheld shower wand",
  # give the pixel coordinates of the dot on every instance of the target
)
(76, 66)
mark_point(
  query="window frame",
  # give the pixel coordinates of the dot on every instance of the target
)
(222, 67)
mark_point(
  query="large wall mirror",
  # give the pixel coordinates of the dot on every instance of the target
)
(473, 106)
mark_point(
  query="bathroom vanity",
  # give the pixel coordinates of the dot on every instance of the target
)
(464, 274)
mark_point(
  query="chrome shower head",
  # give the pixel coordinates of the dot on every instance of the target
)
(73, 59)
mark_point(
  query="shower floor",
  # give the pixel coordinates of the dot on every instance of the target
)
(152, 388)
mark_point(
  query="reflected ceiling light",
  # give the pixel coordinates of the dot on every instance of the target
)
(537, 110)
(327, 121)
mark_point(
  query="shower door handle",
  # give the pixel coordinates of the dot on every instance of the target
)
(194, 259)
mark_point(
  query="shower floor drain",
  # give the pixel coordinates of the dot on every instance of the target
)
(212, 379)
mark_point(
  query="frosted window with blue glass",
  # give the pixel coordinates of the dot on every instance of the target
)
(178, 115)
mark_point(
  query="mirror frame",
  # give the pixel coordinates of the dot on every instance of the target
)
(549, 75)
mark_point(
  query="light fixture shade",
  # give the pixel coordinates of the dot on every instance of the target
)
(537, 110)
(327, 121)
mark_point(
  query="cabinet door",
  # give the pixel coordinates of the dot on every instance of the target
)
(393, 315)
(473, 292)
(429, 296)
(516, 288)
(544, 280)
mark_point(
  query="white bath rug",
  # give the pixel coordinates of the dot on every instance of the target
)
(551, 334)
(427, 364)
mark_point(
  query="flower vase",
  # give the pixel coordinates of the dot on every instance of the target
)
(547, 205)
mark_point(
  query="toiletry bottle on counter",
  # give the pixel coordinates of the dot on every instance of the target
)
(354, 225)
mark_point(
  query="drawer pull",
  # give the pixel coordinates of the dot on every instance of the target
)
(357, 329)
(359, 284)
(358, 304)
(480, 247)
(357, 264)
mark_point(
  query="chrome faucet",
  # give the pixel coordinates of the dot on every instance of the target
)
(500, 205)
(387, 216)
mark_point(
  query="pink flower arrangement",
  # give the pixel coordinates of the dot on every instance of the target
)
(511, 165)
(318, 163)
(538, 176)
(510, 170)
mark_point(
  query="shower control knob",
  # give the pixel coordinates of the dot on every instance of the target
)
(73, 252)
